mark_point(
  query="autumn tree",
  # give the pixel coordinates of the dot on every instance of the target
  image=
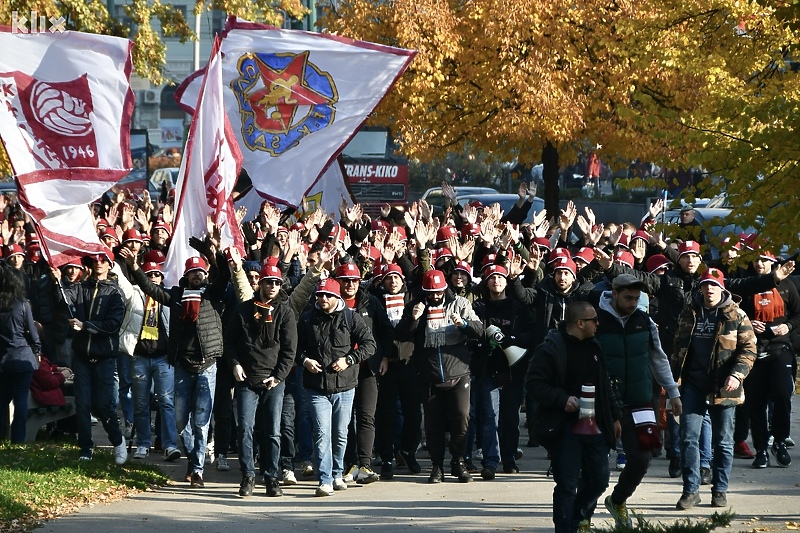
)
(682, 83)
(149, 51)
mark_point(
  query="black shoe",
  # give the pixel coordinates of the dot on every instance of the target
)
(675, 467)
(781, 454)
(411, 462)
(459, 469)
(247, 485)
(471, 468)
(705, 476)
(719, 499)
(688, 500)
(761, 460)
(197, 480)
(488, 473)
(387, 470)
(510, 467)
(274, 488)
(437, 475)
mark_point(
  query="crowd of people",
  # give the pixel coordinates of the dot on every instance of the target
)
(335, 341)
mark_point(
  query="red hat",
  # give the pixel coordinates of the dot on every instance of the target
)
(471, 229)
(110, 233)
(154, 256)
(713, 275)
(689, 247)
(107, 254)
(542, 242)
(348, 271)
(338, 233)
(624, 240)
(391, 269)
(476, 204)
(494, 269)
(441, 253)
(726, 243)
(283, 229)
(379, 224)
(374, 253)
(31, 237)
(132, 235)
(565, 263)
(195, 263)
(487, 260)
(14, 249)
(586, 254)
(377, 272)
(401, 232)
(298, 226)
(624, 257)
(150, 266)
(102, 223)
(271, 261)
(463, 266)
(556, 253)
(433, 281)
(160, 224)
(329, 286)
(656, 262)
(766, 255)
(444, 233)
(73, 262)
(33, 253)
(270, 272)
(641, 234)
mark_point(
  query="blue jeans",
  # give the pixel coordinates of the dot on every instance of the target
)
(155, 372)
(302, 418)
(96, 393)
(194, 395)
(125, 385)
(287, 422)
(487, 407)
(330, 416)
(14, 387)
(674, 436)
(695, 409)
(581, 473)
(267, 405)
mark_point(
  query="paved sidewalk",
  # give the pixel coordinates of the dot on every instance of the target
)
(763, 499)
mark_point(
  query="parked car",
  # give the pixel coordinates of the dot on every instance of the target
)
(506, 201)
(435, 198)
(161, 175)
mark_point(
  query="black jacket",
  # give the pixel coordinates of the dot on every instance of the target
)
(374, 316)
(326, 337)
(515, 319)
(263, 347)
(546, 377)
(209, 323)
(101, 308)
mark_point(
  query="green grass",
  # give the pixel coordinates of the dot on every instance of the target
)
(42, 481)
(703, 525)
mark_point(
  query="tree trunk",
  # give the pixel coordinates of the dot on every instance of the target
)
(550, 178)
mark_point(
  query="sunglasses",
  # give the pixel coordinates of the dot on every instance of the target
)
(594, 319)
(273, 282)
(154, 274)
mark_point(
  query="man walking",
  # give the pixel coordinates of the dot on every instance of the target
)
(569, 359)
(632, 347)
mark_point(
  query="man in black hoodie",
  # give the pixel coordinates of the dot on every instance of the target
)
(568, 359)
(261, 341)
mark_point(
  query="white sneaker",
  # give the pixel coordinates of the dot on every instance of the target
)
(324, 490)
(350, 475)
(222, 463)
(288, 477)
(171, 454)
(339, 484)
(306, 469)
(121, 452)
(141, 452)
(366, 476)
(478, 455)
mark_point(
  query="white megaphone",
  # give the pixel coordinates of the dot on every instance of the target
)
(513, 353)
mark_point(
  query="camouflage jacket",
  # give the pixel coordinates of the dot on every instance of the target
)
(733, 352)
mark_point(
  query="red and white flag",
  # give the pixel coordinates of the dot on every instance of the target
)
(209, 169)
(295, 99)
(65, 110)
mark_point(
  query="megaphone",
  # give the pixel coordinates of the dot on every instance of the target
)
(513, 353)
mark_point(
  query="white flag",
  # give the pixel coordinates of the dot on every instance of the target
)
(209, 169)
(295, 99)
(65, 111)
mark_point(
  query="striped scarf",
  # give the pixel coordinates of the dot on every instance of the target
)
(435, 327)
(394, 306)
(190, 304)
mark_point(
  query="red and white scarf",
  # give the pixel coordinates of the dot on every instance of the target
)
(394, 307)
(435, 327)
(190, 304)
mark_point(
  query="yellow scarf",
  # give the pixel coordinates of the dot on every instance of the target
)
(150, 322)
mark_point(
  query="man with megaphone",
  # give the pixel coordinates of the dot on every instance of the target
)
(499, 365)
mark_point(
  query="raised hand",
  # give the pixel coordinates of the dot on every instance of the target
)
(783, 271)
(656, 207)
(143, 218)
(241, 212)
(166, 214)
(470, 214)
(534, 257)
(596, 234)
(466, 249)
(424, 210)
(567, 217)
(603, 258)
(423, 234)
(638, 248)
(538, 218)
(540, 231)
(448, 191)
(589, 215)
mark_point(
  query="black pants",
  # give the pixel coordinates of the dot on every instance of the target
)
(361, 432)
(770, 380)
(447, 408)
(637, 461)
(400, 382)
(287, 422)
(223, 410)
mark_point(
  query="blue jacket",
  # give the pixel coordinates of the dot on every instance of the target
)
(19, 340)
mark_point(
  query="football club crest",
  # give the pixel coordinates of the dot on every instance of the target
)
(282, 98)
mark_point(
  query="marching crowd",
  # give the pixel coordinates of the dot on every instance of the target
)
(333, 341)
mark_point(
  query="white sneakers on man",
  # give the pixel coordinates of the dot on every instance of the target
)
(141, 452)
(121, 452)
